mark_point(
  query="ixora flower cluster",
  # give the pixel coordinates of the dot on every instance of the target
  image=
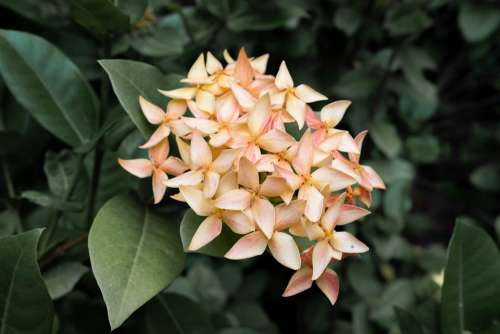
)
(240, 167)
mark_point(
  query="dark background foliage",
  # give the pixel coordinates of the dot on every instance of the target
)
(424, 78)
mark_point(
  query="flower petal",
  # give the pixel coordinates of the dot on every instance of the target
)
(205, 126)
(299, 282)
(250, 245)
(184, 150)
(138, 167)
(160, 133)
(213, 65)
(226, 108)
(360, 137)
(159, 187)
(345, 169)
(195, 199)
(238, 222)
(283, 78)
(293, 180)
(308, 95)
(243, 71)
(159, 153)
(285, 250)
(185, 93)
(208, 230)
(198, 72)
(210, 184)
(220, 138)
(259, 115)
(335, 180)
(259, 64)
(372, 176)
(201, 154)
(225, 160)
(332, 113)
(314, 202)
(173, 166)
(296, 108)
(302, 160)
(312, 120)
(244, 98)
(175, 109)
(205, 101)
(153, 113)
(273, 186)
(329, 285)
(248, 176)
(190, 178)
(288, 215)
(331, 216)
(227, 183)
(263, 213)
(238, 199)
(321, 258)
(275, 141)
(347, 243)
(350, 213)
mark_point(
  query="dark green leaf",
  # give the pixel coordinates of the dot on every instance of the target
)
(99, 16)
(208, 287)
(25, 306)
(62, 278)
(407, 322)
(217, 247)
(55, 92)
(386, 138)
(406, 19)
(347, 19)
(478, 20)
(47, 12)
(133, 8)
(470, 300)
(423, 148)
(487, 177)
(135, 253)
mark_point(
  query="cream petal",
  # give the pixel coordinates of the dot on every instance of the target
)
(248, 176)
(332, 113)
(321, 258)
(285, 250)
(237, 199)
(227, 57)
(259, 115)
(159, 187)
(173, 166)
(138, 167)
(175, 109)
(160, 133)
(184, 150)
(324, 176)
(198, 72)
(360, 137)
(263, 213)
(312, 120)
(308, 95)
(347, 144)
(226, 108)
(205, 126)
(259, 64)
(372, 176)
(205, 101)
(225, 160)
(283, 78)
(191, 178)
(195, 199)
(196, 111)
(347, 243)
(303, 159)
(291, 178)
(273, 186)
(185, 93)
(243, 71)
(227, 183)
(210, 184)
(329, 284)
(350, 213)
(153, 113)
(314, 202)
(201, 154)
(213, 65)
(275, 141)
(220, 138)
(208, 230)
(238, 222)
(288, 215)
(250, 245)
(159, 153)
(244, 98)
(296, 108)
(345, 168)
(331, 216)
(299, 282)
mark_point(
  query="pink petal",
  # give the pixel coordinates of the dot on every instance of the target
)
(329, 285)
(308, 95)
(275, 141)
(259, 115)
(288, 215)
(220, 138)
(225, 160)
(312, 120)
(273, 186)
(205, 126)
(159, 187)
(335, 180)
(248, 176)
(244, 98)
(250, 245)
(372, 176)
(293, 180)
(226, 108)
(196, 111)
(243, 71)
(302, 160)
(208, 230)
(331, 216)
(350, 213)
(299, 282)
(321, 258)
(314, 202)
(285, 250)
(296, 108)
(360, 137)
(238, 222)
(283, 78)
(153, 113)
(195, 199)
(175, 109)
(263, 213)
(159, 153)
(184, 150)
(238, 199)
(201, 154)
(190, 178)
(138, 167)
(173, 166)
(347, 243)
(332, 113)
(227, 183)
(318, 136)
(347, 144)
(161, 133)
(210, 184)
(345, 168)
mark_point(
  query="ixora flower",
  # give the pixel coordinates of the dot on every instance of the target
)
(239, 166)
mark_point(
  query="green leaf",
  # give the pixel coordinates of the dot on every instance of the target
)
(133, 8)
(424, 148)
(61, 168)
(470, 297)
(47, 12)
(131, 79)
(478, 20)
(55, 93)
(208, 287)
(175, 314)
(397, 201)
(397, 293)
(25, 306)
(347, 19)
(217, 247)
(62, 278)
(407, 322)
(487, 177)
(99, 16)
(386, 138)
(135, 253)
(406, 19)
(162, 42)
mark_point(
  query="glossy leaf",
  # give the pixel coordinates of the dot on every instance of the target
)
(386, 138)
(25, 306)
(470, 300)
(478, 20)
(99, 16)
(55, 93)
(62, 278)
(217, 247)
(135, 253)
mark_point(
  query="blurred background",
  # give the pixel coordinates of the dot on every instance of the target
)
(424, 78)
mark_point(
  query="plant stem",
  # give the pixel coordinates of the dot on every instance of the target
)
(61, 250)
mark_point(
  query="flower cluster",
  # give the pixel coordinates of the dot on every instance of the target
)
(240, 167)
